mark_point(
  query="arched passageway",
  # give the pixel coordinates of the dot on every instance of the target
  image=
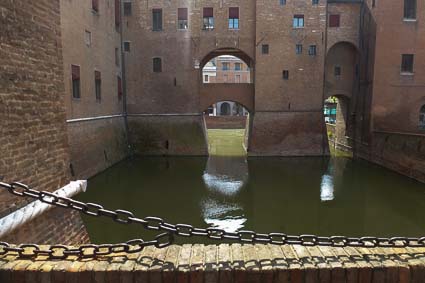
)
(341, 75)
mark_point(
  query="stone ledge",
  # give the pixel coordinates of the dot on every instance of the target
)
(227, 263)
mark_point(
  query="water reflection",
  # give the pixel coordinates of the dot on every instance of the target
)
(224, 177)
(327, 185)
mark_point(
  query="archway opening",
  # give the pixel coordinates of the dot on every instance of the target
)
(227, 127)
(338, 126)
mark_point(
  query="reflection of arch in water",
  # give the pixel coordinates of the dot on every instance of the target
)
(223, 215)
(226, 175)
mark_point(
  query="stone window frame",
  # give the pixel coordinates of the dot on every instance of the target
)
(312, 50)
(265, 49)
(88, 38)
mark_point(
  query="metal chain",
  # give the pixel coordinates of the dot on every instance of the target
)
(170, 230)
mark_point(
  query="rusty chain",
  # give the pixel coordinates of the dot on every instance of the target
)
(171, 230)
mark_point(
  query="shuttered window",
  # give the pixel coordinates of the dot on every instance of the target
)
(234, 18)
(95, 5)
(334, 21)
(208, 17)
(182, 18)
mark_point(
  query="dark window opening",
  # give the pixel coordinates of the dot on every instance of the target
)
(128, 8)
(182, 20)
(234, 18)
(282, 2)
(126, 46)
(117, 13)
(208, 19)
(312, 50)
(422, 118)
(98, 85)
(119, 85)
(298, 21)
(95, 5)
(299, 49)
(334, 21)
(407, 63)
(157, 19)
(238, 67)
(285, 74)
(76, 83)
(265, 49)
(157, 65)
(410, 9)
(315, 2)
(337, 71)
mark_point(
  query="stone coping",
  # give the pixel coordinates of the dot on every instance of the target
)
(227, 263)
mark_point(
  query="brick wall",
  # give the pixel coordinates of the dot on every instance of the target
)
(33, 141)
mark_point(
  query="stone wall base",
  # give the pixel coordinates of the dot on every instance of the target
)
(288, 134)
(402, 153)
(96, 145)
(168, 135)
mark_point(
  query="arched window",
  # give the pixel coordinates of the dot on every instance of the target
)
(422, 118)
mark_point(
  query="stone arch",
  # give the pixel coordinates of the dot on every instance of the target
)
(341, 69)
(250, 110)
(227, 51)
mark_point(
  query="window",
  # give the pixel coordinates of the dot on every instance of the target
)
(117, 13)
(285, 74)
(87, 38)
(312, 50)
(95, 5)
(226, 66)
(315, 2)
(238, 79)
(265, 49)
(337, 71)
(410, 9)
(119, 85)
(407, 63)
(117, 57)
(208, 19)
(127, 8)
(157, 65)
(334, 21)
(75, 75)
(157, 19)
(206, 79)
(299, 49)
(298, 21)
(97, 85)
(422, 118)
(373, 3)
(238, 66)
(182, 18)
(126, 46)
(282, 2)
(234, 18)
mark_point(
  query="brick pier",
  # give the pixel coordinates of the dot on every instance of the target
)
(227, 263)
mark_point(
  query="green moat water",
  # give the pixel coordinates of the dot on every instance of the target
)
(324, 196)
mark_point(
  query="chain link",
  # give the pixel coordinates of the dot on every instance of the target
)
(170, 231)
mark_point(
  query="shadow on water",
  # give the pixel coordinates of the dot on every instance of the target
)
(335, 196)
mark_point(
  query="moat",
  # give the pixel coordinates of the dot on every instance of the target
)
(324, 196)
